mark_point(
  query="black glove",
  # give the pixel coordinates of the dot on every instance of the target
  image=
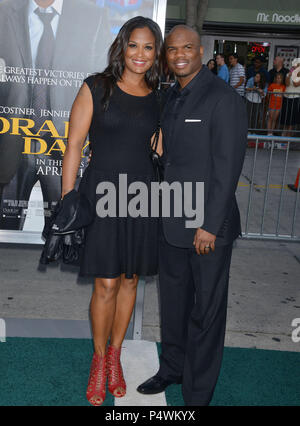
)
(64, 233)
(53, 249)
(73, 246)
(74, 212)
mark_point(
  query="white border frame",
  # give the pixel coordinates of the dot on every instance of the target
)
(159, 14)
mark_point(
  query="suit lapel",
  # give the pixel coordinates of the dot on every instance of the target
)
(19, 20)
(169, 93)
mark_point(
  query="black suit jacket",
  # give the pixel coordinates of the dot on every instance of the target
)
(82, 41)
(211, 151)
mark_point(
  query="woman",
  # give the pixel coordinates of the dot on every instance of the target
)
(290, 113)
(212, 66)
(119, 110)
(275, 91)
(256, 90)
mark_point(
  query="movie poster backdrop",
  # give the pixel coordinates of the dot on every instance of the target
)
(45, 54)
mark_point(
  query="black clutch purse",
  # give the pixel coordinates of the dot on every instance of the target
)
(64, 233)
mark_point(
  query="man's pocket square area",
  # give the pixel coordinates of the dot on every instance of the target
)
(192, 120)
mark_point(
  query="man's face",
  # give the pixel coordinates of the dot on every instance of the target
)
(278, 62)
(257, 64)
(184, 53)
(232, 61)
(219, 60)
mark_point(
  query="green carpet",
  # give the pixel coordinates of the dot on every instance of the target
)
(51, 372)
(252, 377)
(45, 372)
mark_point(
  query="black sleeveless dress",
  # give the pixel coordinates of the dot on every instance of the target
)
(120, 141)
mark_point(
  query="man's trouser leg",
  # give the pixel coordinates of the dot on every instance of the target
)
(193, 328)
(207, 325)
(176, 302)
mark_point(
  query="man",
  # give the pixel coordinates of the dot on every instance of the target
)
(223, 72)
(68, 36)
(278, 68)
(257, 67)
(237, 74)
(204, 124)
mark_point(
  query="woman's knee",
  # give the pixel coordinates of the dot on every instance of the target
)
(130, 283)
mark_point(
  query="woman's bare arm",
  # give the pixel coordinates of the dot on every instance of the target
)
(80, 121)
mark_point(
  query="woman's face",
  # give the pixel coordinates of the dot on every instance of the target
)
(211, 65)
(140, 53)
(257, 78)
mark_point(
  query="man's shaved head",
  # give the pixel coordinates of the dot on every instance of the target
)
(184, 53)
(182, 27)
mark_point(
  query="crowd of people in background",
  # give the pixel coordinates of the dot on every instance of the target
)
(272, 97)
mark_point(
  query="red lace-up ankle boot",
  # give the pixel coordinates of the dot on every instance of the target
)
(116, 382)
(96, 390)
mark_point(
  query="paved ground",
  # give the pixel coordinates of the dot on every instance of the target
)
(264, 294)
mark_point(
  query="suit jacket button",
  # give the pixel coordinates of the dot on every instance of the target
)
(168, 163)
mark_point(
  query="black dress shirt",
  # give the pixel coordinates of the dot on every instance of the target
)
(175, 102)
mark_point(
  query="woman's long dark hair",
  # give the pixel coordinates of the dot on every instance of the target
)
(215, 68)
(115, 68)
(262, 82)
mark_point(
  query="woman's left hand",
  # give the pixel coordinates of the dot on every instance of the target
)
(159, 149)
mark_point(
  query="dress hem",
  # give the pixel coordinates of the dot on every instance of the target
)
(116, 275)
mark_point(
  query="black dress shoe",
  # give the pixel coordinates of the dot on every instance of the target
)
(155, 384)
